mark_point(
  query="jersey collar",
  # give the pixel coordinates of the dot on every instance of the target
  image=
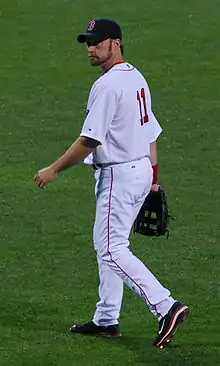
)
(116, 63)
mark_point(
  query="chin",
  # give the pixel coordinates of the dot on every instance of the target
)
(94, 62)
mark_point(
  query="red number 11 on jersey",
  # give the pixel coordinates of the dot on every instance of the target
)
(142, 106)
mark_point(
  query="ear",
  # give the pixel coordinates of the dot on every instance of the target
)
(117, 43)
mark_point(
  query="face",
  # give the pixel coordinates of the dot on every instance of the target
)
(99, 53)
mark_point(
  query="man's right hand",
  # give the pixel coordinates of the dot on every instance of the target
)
(44, 176)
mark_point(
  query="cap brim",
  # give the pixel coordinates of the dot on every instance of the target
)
(82, 38)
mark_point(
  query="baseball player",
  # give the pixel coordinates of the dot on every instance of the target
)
(118, 138)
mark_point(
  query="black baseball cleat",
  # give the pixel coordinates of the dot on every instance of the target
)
(90, 328)
(169, 324)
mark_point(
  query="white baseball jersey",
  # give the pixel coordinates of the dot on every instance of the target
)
(119, 116)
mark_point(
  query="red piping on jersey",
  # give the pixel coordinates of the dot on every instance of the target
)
(124, 70)
(116, 63)
(108, 246)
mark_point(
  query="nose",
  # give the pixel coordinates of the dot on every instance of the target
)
(90, 48)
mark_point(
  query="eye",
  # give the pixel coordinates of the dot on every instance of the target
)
(92, 43)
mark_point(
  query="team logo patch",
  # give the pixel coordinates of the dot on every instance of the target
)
(91, 25)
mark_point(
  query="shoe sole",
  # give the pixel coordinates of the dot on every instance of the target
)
(98, 334)
(178, 317)
(117, 335)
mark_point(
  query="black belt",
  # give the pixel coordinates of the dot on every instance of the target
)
(99, 165)
(96, 167)
(104, 165)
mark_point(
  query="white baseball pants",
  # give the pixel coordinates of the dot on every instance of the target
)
(120, 192)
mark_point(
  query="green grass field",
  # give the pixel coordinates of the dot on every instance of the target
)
(48, 267)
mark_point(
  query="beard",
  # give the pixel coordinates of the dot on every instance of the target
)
(98, 61)
(95, 61)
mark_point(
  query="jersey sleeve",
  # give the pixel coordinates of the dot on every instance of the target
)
(155, 128)
(101, 108)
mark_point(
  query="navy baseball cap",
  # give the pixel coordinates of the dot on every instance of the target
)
(100, 29)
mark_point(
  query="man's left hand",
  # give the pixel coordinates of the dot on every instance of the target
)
(155, 187)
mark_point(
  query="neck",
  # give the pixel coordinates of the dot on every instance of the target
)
(110, 63)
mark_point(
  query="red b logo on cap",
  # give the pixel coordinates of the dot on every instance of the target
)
(91, 25)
